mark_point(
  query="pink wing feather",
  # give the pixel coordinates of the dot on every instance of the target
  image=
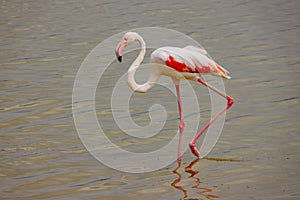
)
(188, 59)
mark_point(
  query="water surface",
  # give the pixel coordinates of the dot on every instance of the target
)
(42, 46)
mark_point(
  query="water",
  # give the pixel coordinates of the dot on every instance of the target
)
(42, 46)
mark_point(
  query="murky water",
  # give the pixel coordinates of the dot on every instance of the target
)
(42, 46)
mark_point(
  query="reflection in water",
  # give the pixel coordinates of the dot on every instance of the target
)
(178, 179)
(204, 192)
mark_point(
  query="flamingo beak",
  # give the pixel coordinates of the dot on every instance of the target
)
(119, 57)
(120, 49)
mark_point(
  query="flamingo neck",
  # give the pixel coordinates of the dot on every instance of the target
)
(134, 66)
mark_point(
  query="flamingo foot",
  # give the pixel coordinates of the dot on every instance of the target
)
(194, 150)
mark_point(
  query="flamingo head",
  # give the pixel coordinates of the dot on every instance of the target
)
(127, 39)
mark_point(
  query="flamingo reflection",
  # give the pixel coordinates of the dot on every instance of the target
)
(204, 192)
(178, 180)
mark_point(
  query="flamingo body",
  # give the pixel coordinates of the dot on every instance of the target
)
(178, 63)
(188, 59)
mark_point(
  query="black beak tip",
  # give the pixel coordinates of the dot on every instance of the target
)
(120, 58)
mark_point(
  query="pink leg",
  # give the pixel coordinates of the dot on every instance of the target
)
(230, 101)
(182, 124)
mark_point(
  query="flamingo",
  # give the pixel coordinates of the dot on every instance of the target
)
(188, 63)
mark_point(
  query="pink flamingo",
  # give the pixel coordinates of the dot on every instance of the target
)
(178, 63)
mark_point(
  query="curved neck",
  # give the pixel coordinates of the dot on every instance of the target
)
(134, 66)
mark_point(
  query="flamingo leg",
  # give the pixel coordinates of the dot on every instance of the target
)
(230, 102)
(182, 124)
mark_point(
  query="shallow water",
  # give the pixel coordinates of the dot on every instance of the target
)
(42, 46)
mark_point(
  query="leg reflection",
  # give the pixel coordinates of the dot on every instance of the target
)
(202, 192)
(178, 179)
